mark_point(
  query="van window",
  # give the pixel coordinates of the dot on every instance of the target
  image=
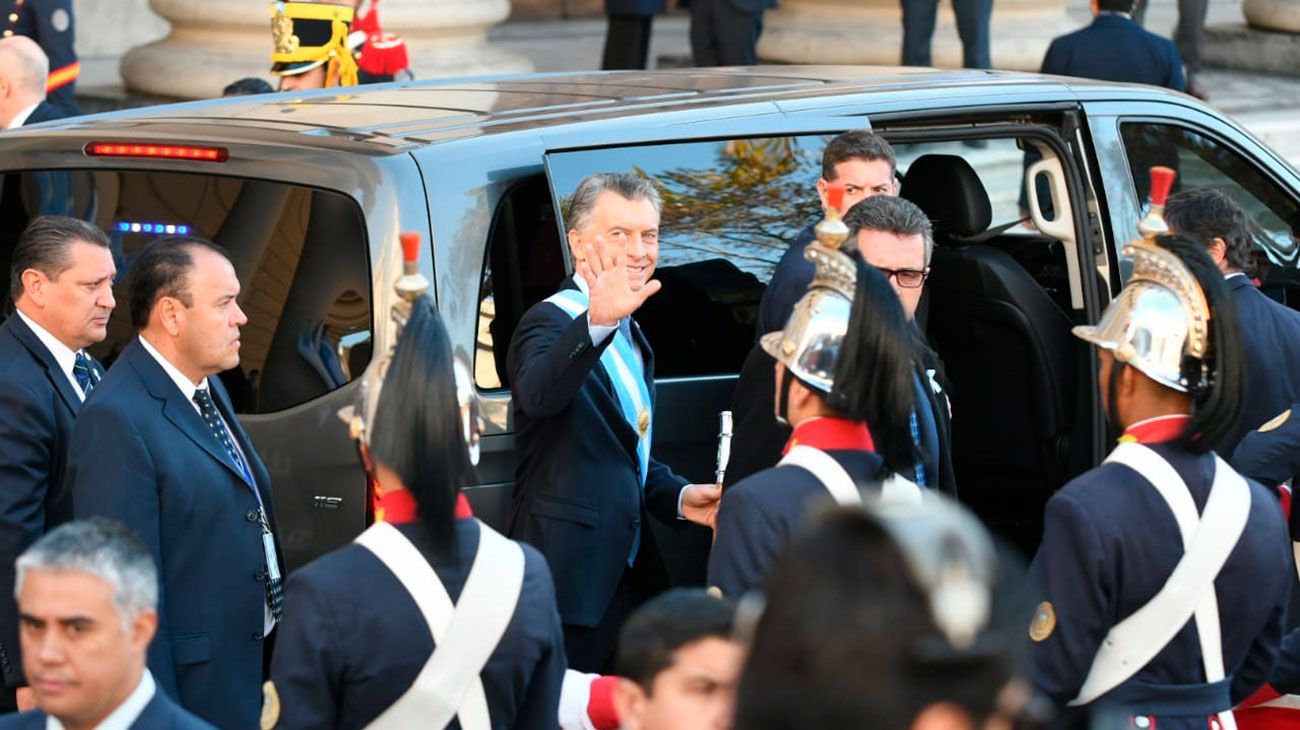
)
(300, 254)
(1204, 162)
(730, 209)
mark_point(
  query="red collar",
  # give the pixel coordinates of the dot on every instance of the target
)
(829, 434)
(398, 507)
(1156, 430)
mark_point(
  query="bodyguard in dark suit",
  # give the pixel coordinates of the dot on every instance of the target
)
(893, 236)
(1114, 48)
(972, 26)
(355, 641)
(725, 32)
(61, 278)
(582, 380)
(88, 597)
(1270, 331)
(159, 449)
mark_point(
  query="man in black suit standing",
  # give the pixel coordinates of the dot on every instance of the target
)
(582, 380)
(1115, 48)
(725, 32)
(1270, 331)
(88, 597)
(159, 449)
(24, 70)
(61, 278)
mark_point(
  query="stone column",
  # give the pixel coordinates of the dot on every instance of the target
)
(1279, 15)
(871, 32)
(214, 43)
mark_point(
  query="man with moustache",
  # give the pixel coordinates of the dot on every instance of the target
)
(582, 381)
(61, 279)
(159, 449)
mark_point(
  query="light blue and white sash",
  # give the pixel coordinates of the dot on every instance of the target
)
(625, 372)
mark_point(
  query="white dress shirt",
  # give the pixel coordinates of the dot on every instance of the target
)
(21, 117)
(126, 713)
(188, 388)
(64, 356)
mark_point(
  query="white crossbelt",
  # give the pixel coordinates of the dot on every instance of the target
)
(464, 634)
(841, 486)
(1208, 540)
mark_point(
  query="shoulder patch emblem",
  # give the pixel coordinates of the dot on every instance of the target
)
(270, 706)
(1043, 624)
(60, 20)
(1276, 422)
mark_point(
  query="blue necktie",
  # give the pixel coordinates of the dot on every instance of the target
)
(84, 372)
(208, 408)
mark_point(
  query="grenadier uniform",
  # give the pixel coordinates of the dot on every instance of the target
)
(350, 44)
(390, 632)
(826, 458)
(1159, 607)
(1271, 455)
(50, 24)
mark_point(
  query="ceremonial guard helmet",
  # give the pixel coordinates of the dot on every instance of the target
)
(1159, 322)
(360, 416)
(309, 34)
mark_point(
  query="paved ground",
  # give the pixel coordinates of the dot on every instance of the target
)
(1269, 106)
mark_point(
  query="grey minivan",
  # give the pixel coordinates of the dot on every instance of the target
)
(1032, 182)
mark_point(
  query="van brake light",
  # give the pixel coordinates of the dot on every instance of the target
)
(170, 151)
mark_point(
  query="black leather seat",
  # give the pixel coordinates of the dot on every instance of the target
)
(1005, 344)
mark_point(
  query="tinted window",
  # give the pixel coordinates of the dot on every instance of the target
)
(300, 254)
(1204, 162)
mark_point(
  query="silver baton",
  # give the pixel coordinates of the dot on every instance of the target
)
(724, 444)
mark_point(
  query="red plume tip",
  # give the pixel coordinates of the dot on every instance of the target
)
(410, 246)
(835, 196)
(1162, 180)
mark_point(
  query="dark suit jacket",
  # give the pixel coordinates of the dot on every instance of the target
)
(142, 455)
(761, 514)
(1270, 337)
(45, 112)
(160, 714)
(635, 7)
(1114, 48)
(354, 641)
(37, 407)
(578, 497)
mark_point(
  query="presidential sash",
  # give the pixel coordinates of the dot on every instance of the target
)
(625, 372)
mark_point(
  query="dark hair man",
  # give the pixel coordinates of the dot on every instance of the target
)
(1270, 332)
(159, 449)
(844, 383)
(1114, 48)
(354, 651)
(247, 87)
(1141, 610)
(88, 599)
(582, 377)
(61, 280)
(894, 236)
(678, 663)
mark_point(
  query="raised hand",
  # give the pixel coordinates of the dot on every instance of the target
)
(603, 265)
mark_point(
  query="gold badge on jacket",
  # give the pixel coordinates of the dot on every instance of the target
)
(1280, 419)
(1044, 621)
(643, 423)
(270, 706)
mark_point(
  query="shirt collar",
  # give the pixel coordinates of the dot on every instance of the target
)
(126, 713)
(21, 117)
(582, 284)
(65, 356)
(1156, 430)
(1233, 275)
(1114, 14)
(187, 387)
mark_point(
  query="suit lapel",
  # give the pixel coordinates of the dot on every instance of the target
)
(176, 408)
(38, 349)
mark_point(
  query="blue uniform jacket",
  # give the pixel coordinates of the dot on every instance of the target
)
(1270, 337)
(52, 24)
(578, 497)
(761, 513)
(1114, 48)
(142, 455)
(353, 640)
(37, 408)
(1109, 544)
(160, 714)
